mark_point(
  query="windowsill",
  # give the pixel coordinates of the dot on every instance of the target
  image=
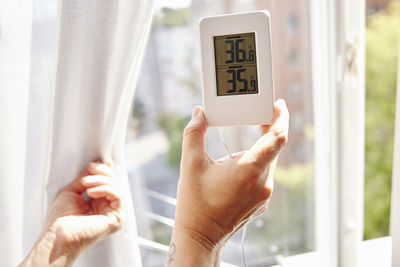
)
(376, 252)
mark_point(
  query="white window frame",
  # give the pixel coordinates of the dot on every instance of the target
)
(350, 109)
(395, 204)
(338, 65)
(353, 251)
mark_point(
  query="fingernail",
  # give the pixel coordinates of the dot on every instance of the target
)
(110, 163)
(86, 179)
(94, 164)
(196, 112)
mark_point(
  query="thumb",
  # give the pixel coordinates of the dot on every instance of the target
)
(193, 145)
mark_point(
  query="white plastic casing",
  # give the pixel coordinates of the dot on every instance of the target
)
(245, 109)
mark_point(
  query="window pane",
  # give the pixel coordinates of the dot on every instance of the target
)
(152, 257)
(168, 89)
(383, 20)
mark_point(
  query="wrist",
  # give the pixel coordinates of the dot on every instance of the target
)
(52, 249)
(203, 229)
(190, 248)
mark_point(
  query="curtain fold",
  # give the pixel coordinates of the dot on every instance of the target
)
(15, 39)
(82, 65)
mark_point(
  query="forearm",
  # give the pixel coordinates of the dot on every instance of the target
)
(186, 250)
(50, 250)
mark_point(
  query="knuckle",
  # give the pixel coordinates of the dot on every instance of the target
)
(117, 225)
(253, 171)
(88, 166)
(281, 137)
(189, 130)
(252, 165)
(266, 193)
(256, 167)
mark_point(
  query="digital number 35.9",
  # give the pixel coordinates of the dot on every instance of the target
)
(236, 78)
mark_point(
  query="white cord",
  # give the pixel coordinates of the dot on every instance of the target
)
(243, 252)
(278, 258)
(221, 137)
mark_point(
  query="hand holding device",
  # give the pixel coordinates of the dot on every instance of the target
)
(215, 198)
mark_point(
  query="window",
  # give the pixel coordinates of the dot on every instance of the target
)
(295, 91)
(293, 23)
(294, 57)
(316, 216)
(168, 89)
(381, 76)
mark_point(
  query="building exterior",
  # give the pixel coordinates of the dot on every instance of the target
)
(373, 6)
(170, 84)
(291, 37)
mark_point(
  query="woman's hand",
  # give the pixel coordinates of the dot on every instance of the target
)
(73, 224)
(216, 198)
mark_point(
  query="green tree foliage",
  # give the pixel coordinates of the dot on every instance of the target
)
(173, 126)
(381, 71)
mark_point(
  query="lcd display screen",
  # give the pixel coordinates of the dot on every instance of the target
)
(236, 64)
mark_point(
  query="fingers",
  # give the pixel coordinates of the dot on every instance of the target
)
(268, 146)
(94, 168)
(76, 185)
(264, 129)
(280, 120)
(270, 174)
(101, 169)
(100, 183)
(96, 180)
(104, 191)
(193, 145)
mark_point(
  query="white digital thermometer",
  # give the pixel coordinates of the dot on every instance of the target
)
(237, 72)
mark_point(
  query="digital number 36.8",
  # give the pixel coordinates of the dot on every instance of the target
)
(237, 54)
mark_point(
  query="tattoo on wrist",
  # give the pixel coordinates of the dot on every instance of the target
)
(171, 253)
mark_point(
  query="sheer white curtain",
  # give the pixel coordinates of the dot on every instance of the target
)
(67, 74)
